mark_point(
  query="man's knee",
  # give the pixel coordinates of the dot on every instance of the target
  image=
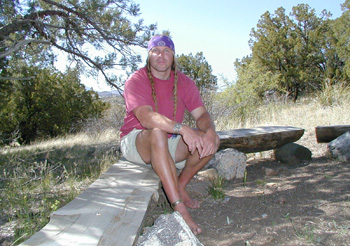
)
(158, 137)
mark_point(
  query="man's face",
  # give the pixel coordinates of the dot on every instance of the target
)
(161, 58)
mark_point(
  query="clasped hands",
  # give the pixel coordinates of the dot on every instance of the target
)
(203, 142)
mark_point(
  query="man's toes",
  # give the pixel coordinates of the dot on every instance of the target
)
(196, 231)
(192, 204)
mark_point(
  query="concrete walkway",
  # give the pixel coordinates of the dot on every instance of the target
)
(110, 212)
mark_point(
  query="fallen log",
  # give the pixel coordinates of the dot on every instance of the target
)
(249, 140)
(325, 134)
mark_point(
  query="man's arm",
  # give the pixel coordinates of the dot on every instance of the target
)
(203, 119)
(150, 119)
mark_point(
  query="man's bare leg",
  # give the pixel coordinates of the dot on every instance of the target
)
(191, 168)
(153, 148)
(193, 165)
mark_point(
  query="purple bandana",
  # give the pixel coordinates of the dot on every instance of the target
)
(160, 41)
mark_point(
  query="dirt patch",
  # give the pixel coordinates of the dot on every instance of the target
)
(306, 204)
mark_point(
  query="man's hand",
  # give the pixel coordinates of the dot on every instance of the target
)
(206, 130)
(205, 144)
(193, 140)
(210, 143)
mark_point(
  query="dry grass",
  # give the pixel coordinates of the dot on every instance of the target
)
(307, 113)
(68, 141)
(38, 179)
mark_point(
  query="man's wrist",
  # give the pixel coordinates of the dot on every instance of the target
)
(210, 131)
(177, 128)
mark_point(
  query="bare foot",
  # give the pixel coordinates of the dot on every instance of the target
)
(188, 201)
(181, 208)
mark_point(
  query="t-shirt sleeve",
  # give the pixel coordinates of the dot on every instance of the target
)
(137, 92)
(192, 98)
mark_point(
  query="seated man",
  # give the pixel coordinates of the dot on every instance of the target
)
(156, 97)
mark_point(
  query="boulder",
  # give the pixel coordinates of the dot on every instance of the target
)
(340, 147)
(229, 163)
(169, 229)
(292, 153)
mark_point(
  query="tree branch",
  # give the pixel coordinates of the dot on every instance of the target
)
(19, 45)
(88, 60)
(12, 78)
(26, 21)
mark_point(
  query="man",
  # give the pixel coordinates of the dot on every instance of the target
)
(156, 97)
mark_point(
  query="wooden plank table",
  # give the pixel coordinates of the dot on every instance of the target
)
(110, 212)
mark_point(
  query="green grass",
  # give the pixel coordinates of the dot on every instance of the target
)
(260, 182)
(245, 178)
(216, 188)
(307, 233)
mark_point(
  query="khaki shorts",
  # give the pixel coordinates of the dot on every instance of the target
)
(128, 148)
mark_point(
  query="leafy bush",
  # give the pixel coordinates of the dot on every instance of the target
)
(50, 103)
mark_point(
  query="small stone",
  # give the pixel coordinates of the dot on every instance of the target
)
(209, 174)
(281, 200)
(226, 199)
(155, 197)
(270, 171)
(271, 185)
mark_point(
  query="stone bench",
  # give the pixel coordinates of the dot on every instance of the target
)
(250, 140)
(112, 210)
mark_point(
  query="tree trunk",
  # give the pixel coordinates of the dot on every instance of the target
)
(296, 93)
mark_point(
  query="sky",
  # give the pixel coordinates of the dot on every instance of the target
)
(220, 29)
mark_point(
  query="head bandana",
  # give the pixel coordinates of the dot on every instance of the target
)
(160, 41)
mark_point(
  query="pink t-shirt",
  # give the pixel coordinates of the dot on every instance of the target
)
(138, 92)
